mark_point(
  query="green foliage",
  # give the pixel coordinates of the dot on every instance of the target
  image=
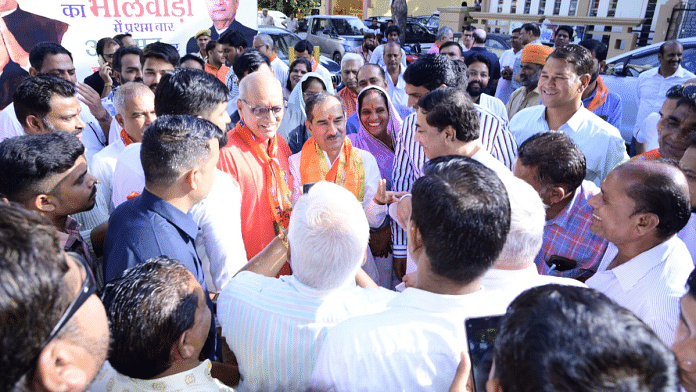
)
(289, 7)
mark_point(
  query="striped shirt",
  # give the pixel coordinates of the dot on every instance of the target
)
(650, 285)
(409, 158)
(276, 327)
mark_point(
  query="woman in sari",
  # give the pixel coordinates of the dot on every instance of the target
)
(379, 127)
(297, 69)
(293, 128)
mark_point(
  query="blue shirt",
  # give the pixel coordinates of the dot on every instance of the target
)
(145, 227)
(611, 110)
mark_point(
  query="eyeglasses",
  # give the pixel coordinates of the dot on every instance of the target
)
(89, 287)
(262, 111)
(678, 91)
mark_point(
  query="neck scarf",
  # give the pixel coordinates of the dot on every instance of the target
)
(600, 97)
(314, 65)
(348, 170)
(126, 138)
(273, 56)
(276, 179)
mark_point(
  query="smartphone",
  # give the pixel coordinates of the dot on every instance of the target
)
(560, 263)
(480, 337)
(101, 60)
(306, 187)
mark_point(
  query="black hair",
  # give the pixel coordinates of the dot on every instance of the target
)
(661, 51)
(104, 42)
(189, 91)
(557, 159)
(316, 99)
(28, 161)
(211, 45)
(304, 46)
(149, 307)
(478, 58)
(462, 211)
(517, 30)
(33, 95)
(531, 27)
(452, 43)
(122, 51)
(431, 71)
(391, 29)
(173, 145)
(249, 62)
(162, 51)
(596, 48)
(567, 29)
(33, 294)
(292, 67)
(193, 57)
(579, 57)
(233, 38)
(38, 53)
(450, 106)
(119, 37)
(654, 190)
(577, 339)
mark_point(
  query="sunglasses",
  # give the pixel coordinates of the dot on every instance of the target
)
(88, 288)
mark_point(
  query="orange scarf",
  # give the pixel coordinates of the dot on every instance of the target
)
(126, 138)
(273, 56)
(348, 170)
(314, 65)
(600, 97)
(277, 182)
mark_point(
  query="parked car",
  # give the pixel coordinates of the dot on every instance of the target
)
(278, 18)
(497, 43)
(621, 76)
(284, 39)
(335, 34)
(418, 37)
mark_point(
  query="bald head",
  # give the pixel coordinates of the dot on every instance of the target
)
(258, 91)
(479, 37)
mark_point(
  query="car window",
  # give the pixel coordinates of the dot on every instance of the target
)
(348, 26)
(418, 30)
(493, 43)
(689, 60)
(318, 25)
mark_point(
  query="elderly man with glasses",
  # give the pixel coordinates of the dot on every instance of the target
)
(54, 335)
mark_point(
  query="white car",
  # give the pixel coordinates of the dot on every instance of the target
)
(278, 18)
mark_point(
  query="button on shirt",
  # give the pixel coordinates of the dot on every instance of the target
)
(145, 227)
(276, 327)
(601, 142)
(651, 90)
(568, 235)
(415, 345)
(650, 285)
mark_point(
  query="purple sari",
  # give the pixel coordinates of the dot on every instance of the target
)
(365, 141)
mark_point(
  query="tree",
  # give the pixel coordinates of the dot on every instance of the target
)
(289, 7)
(399, 11)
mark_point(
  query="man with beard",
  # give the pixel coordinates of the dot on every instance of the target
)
(478, 70)
(396, 86)
(369, 44)
(479, 48)
(48, 174)
(533, 59)
(596, 97)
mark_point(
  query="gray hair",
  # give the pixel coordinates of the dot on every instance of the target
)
(266, 39)
(527, 219)
(128, 91)
(353, 57)
(442, 32)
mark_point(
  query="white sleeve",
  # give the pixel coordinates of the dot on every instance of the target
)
(374, 212)
(294, 166)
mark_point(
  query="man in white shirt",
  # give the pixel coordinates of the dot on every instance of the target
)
(159, 322)
(479, 72)
(233, 44)
(276, 326)
(515, 270)
(460, 219)
(641, 207)
(529, 34)
(507, 61)
(564, 77)
(264, 44)
(396, 86)
(305, 50)
(654, 83)
(135, 110)
(392, 34)
(51, 58)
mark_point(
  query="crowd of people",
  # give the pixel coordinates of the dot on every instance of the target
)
(224, 220)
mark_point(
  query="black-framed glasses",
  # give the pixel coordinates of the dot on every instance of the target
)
(262, 111)
(88, 288)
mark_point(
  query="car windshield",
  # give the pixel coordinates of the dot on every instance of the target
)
(282, 43)
(352, 26)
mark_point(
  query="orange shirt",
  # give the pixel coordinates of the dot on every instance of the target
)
(220, 73)
(257, 222)
(349, 100)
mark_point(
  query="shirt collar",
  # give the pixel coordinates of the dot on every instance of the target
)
(494, 274)
(576, 121)
(438, 303)
(4, 14)
(172, 214)
(630, 272)
(178, 380)
(311, 292)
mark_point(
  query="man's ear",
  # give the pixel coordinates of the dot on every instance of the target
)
(414, 235)
(116, 76)
(584, 81)
(192, 178)
(553, 195)
(449, 133)
(309, 127)
(119, 120)
(57, 370)
(43, 203)
(647, 221)
(185, 349)
(602, 65)
(34, 125)
(33, 71)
